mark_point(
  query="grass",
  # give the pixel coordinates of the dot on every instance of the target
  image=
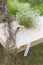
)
(2, 54)
(35, 56)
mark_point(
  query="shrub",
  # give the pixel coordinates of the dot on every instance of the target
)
(12, 6)
(27, 17)
(32, 2)
(40, 8)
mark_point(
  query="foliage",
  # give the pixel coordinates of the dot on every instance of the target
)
(27, 17)
(32, 2)
(40, 8)
(12, 6)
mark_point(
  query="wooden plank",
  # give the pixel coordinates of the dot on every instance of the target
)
(34, 43)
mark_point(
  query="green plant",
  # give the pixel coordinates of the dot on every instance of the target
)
(27, 17)
(33, 2)
(40, 8)
(12, 6)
